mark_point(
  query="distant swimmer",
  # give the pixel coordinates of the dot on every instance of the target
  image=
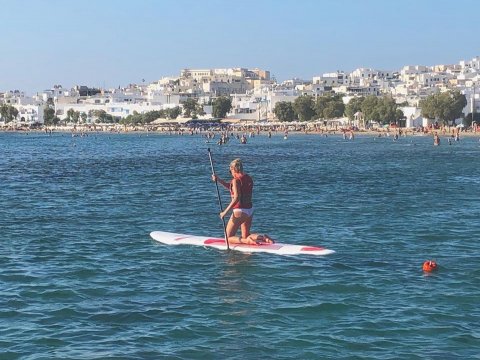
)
(436, 139)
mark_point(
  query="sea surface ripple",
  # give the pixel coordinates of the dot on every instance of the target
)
(80, 277)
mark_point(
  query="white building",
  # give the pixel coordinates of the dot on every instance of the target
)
(330, 79)
(259, 104)
(433, 79)
(472, 64)
(366, 77)
(16, 98)
(473, 100)
(165, 84)
(293, 83)
(358, 90)
(222, 81)
(29, 114)
(30, 111)
(51, 94)
(408, 74)
(414, 117)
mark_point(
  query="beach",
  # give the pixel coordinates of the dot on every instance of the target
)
(249, 128)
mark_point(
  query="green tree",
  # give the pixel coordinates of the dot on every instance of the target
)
(221, 106)
(399, 115)
(12, 113)
(381, 109)
(150, 116)
(370, 108)
(135, 118)
(48, 115)
(126, 120)
(83, 116)
(75, 117)
(304, 107)
(283, 110)
(8, 112)
(321, 104)
(173, 113)
(335, 108)
(428, 107)
(387, 110)
(190, 107)
(354, 106)
(4, 112)
(70, 113)
(329, 106)
(102, 116)
(445, 107)
(200, 111)
(455, 102)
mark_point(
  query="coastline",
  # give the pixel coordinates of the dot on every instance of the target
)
(256, 129)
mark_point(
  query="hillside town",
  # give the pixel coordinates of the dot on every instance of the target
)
(253, 94)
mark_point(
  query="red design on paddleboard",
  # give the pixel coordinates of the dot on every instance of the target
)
(310, 248)
(181, 238)
(214, 241)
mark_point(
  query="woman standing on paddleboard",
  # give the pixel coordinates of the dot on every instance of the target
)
(241, 190)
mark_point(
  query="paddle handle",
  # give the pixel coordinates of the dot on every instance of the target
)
(219, 199)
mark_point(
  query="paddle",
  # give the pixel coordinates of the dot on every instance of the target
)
(219, 200)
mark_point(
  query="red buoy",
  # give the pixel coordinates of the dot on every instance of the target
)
(430, 266)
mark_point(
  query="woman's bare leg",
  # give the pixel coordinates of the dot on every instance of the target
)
(261, 238)
(245, 227)
(238, 220)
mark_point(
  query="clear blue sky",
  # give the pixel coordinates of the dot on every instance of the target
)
(117, 42)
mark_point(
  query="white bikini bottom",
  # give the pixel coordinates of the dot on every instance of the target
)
(248, 212)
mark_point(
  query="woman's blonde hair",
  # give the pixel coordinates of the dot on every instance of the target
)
(237, 165)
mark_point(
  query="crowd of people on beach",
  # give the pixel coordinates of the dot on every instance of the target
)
(221, 134)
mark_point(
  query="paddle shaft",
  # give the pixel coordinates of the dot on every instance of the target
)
(219, 199)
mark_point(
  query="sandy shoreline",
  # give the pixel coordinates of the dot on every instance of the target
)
(247, 129)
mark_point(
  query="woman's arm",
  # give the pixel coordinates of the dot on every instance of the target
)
(222, 182)
(235, 198)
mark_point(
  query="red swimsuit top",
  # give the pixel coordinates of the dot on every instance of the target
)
(246, 191)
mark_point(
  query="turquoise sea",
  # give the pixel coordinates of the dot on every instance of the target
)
(80, 277)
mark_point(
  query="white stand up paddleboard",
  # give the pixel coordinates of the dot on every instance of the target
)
(219, 243)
